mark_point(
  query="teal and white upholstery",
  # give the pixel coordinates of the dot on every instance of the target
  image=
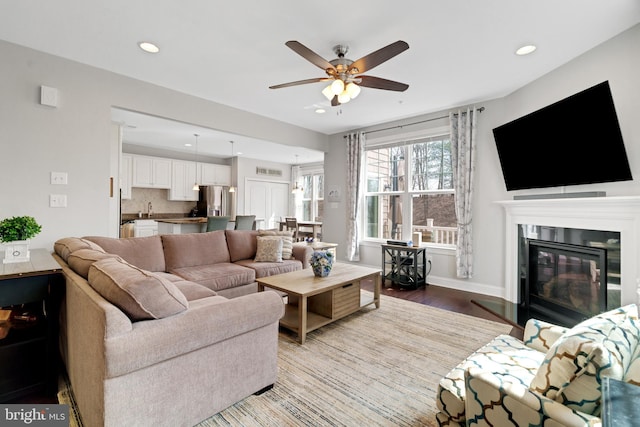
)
(551, 378)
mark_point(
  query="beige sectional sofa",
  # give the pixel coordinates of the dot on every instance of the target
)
(168, 330)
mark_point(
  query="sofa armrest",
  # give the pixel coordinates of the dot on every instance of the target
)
(492, 401)
(207, 321)
(302, 253)
(541, 335)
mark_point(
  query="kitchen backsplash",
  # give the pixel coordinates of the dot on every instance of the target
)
(140, 198)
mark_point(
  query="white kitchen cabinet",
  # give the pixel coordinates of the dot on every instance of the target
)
(145, 228)
(125, 176)
(151, 172)
(183, 176)
(213, 174)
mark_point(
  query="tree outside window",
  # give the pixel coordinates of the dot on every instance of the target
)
(394, 210)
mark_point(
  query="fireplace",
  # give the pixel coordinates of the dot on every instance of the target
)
(565, 283)
(620, 215)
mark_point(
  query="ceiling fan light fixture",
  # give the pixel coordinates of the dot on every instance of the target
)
(337, 87)
(328, 93)
(353, 90)
(344, 97)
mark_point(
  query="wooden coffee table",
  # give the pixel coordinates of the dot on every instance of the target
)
(317, 301)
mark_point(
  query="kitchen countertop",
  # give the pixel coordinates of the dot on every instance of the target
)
(190, 220)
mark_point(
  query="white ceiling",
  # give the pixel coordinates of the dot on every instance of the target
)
(461, 52)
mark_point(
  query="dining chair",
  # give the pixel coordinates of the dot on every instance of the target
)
(245, 222)
(292, 224)
(217, 222)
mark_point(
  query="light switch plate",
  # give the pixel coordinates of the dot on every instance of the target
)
(48, 96)
(59, 178)
(57, 200)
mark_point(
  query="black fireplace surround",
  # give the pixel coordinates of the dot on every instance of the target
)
(567, 274)
(565, 282)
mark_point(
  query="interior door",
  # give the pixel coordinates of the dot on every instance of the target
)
(268, 200)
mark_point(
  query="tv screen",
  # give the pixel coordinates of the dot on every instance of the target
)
(574, 141)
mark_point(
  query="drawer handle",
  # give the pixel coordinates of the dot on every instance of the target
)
(346, 286)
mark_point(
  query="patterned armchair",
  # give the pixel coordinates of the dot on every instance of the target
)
(551, 378)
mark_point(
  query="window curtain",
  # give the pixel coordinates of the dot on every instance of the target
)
(355, 149)
(463, 142)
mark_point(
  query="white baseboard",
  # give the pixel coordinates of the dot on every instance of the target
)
(460, 285)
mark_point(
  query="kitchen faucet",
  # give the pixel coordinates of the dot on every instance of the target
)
(149, 209)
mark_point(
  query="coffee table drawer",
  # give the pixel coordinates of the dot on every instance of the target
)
(346, 299)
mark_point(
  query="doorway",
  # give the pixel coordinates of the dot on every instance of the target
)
(267, 199)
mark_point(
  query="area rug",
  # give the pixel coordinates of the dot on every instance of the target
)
(377, 367)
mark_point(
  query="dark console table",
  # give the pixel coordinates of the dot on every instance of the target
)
(29, 357)
(404, 266)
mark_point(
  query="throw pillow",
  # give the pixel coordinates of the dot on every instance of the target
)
(287, 241)
(67, 245)
(138, 293)
(81, 260)
(269, 249)
(633, 373)
(574, 366)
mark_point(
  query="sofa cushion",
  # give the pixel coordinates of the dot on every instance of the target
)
(633, 371)
(265, 269)
(143, 252)
(194, 249)
(269, 249)
(66, 246)
(218, 276)
(242, 244)
(138, 293)
(574, 366)
(287, 241)
(193, 291)
(81, 260)
(506, 356)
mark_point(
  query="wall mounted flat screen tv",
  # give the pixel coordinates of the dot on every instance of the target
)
(574, 141)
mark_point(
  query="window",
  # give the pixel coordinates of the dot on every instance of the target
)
(312, 197)
(409, 188)
(310, 202)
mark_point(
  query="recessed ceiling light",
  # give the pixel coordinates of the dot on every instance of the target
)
(526, 49)
(149, 47)
(320, 110)
(188, 144)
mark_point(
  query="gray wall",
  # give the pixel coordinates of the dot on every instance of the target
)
(617, 60)
(77, 137)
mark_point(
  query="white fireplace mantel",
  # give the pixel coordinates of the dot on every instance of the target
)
(621, 214)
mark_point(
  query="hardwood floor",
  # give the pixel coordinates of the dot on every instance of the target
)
(446, 299)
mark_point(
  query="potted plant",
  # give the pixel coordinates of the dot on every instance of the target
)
(15, 232)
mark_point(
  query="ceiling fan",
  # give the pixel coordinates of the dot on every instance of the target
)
(344, 74)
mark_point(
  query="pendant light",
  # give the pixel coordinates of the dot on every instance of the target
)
(296, 190)
(196, 187)
(232, 189)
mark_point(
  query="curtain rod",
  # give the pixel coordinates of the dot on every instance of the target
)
(480, 110)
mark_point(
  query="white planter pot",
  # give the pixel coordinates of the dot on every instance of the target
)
(16, 251)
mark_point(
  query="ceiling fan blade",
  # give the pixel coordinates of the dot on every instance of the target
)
(379, 83)
(334, 101)
(376, 58)
(309, 55)
(300, 82)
